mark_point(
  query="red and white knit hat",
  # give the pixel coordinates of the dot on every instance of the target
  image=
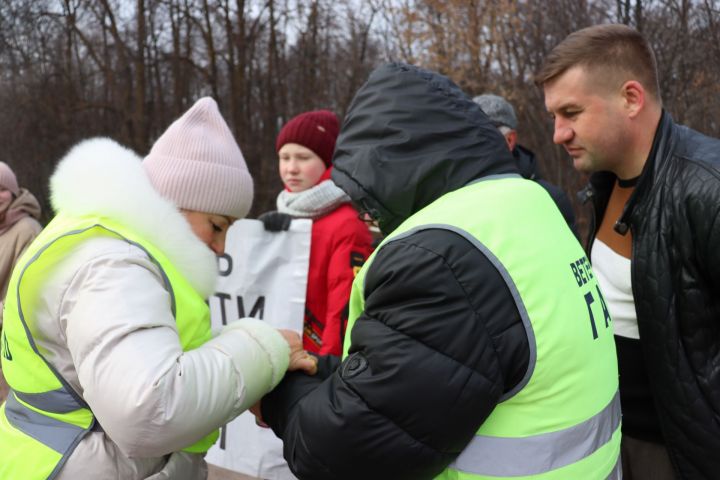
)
(198, 165)
(8, 179)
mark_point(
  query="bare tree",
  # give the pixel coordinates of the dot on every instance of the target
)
(71, 69)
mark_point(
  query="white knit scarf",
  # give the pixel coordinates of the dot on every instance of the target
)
(314, 202)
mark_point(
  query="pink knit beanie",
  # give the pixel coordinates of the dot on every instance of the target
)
(198, 165)
(316, 130)
(8, 179)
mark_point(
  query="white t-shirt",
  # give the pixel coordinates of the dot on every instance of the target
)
(613, 274)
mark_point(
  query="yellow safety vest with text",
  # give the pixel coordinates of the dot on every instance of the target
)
(562, 421)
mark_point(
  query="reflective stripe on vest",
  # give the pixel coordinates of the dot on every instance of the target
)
(54, 401)
(60, 436)
(616, 473)
(515, 457)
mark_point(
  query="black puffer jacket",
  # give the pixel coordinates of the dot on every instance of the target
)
(674, 217)
(441, 338)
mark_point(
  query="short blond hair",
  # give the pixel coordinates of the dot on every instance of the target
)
(621, 53)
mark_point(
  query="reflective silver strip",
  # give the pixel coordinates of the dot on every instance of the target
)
(616, 474)
(515, 457)
(59, 436)
(55, 401)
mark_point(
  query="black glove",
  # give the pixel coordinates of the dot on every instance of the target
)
(275, 221)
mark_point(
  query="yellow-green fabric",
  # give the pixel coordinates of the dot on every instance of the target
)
(573, 360)
(22, 456)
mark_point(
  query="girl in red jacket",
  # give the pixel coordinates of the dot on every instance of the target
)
(340, 240)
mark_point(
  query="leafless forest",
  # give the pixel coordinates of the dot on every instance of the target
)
(71, 69)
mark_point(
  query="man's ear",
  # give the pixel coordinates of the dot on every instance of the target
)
(633, 94)
(511, 139)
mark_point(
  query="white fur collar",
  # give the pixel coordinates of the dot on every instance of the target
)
(100, 177)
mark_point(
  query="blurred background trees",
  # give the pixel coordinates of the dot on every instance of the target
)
(71, 69)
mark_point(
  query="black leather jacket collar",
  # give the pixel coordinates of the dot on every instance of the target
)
(601, 183)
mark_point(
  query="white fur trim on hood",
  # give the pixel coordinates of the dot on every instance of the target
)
(100, 177)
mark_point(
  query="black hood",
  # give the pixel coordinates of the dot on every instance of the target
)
(526, 163)
(409, 137)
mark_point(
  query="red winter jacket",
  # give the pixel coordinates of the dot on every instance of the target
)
(340, 244)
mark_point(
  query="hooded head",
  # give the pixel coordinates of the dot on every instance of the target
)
(409, 137)
(198, 165)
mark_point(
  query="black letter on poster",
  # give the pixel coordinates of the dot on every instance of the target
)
(227, 260)
(257, 310)
(222, 297)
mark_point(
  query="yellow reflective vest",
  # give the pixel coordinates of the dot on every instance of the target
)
(563, 420)
(43, 418)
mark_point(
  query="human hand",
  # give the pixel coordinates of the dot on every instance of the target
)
(299, 358)
(255, 410)
(275, 221)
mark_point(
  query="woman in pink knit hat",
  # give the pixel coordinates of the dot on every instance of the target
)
(107, 348)
(340, 241)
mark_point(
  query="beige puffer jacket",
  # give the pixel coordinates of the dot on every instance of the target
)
(107, 327)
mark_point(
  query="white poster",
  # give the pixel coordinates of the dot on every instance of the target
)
(262, 275)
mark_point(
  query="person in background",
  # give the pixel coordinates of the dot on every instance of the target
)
(654, 244)
(19, 225)
(471, 352)
(502, 115)
(340, 240)
(107, 344)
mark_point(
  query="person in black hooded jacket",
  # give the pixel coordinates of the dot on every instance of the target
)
(470, 351)
(654, 244)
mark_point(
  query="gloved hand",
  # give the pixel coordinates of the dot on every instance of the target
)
(275, 221)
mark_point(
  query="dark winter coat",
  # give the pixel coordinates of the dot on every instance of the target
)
(341, 424)
(674, 218)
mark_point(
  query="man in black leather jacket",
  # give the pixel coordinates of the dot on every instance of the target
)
(655, 245)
